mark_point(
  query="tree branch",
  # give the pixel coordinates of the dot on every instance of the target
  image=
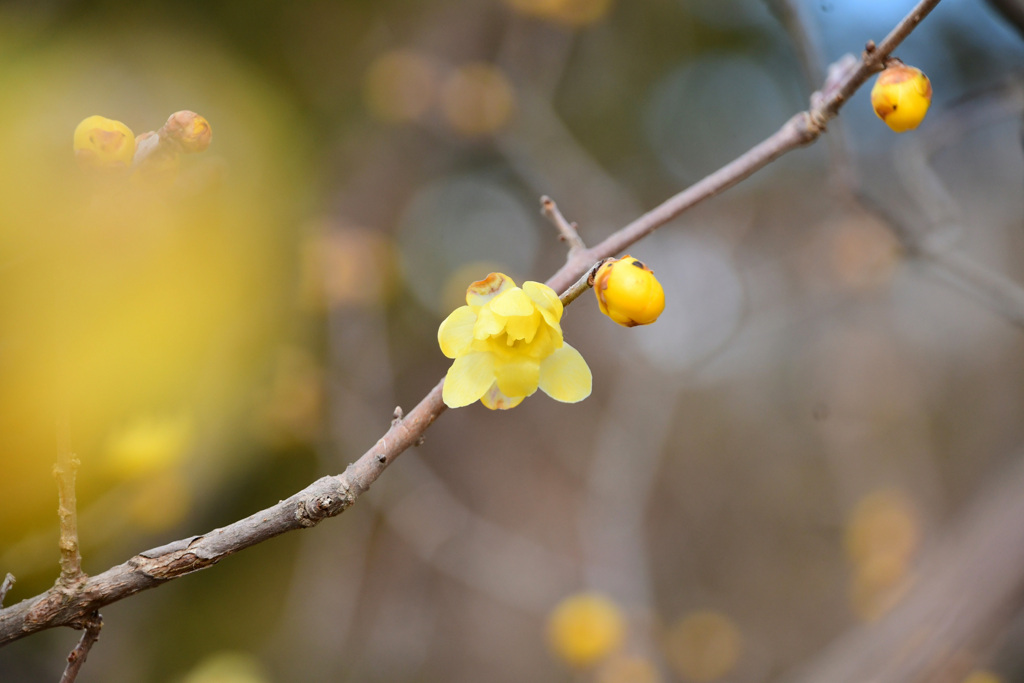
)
(585, 282)
(330, 496)
(801, 130)
(326, 497)
(77, 656)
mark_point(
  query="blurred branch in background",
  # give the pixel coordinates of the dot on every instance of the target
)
(1012, 11)
(969, 589)
(930, 229)
(620, 483)
(964, 595)
(793, 17)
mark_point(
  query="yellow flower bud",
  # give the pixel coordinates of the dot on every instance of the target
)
(901, 96)
(103, 144)
(628, 293)
(190, 130)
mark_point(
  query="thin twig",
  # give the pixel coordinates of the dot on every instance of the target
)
(70, 557)
(5, 587)
(77, 656)
(330, 496)
(568, 231)
(585, 282)
(66, 468)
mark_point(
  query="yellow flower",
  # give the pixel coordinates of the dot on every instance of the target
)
(901, 96)
(507, 343)
(585, 628)
(628, 293)
(102, 143)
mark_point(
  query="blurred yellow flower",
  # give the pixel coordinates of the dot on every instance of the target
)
(864, 252)
(901, 96)
(982, 676)
(477, 99)
(585, 628)
(882, 536)
(507, 343)
(292, 408)
(149, 444)
(345, 265)
(628, 293)
(103, 144)
(401, 85)
(228, 667)
(190, 130)
(884, 523)
(703, 646)
(141, 283)
(569, 12)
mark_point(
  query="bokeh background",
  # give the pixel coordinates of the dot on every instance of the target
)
(754, 475)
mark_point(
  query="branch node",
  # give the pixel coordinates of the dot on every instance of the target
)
(397, 416)
(92, 625)
(583, 284)
(592, 273)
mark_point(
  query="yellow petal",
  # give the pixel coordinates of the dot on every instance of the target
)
(564, 375)
(488, 323)
(455, 335)
(544, 342)
(495, 400)
(523, 327)
(467, 379)
(512, 302)
(517, 375)
(546, 300)
(482, 291)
